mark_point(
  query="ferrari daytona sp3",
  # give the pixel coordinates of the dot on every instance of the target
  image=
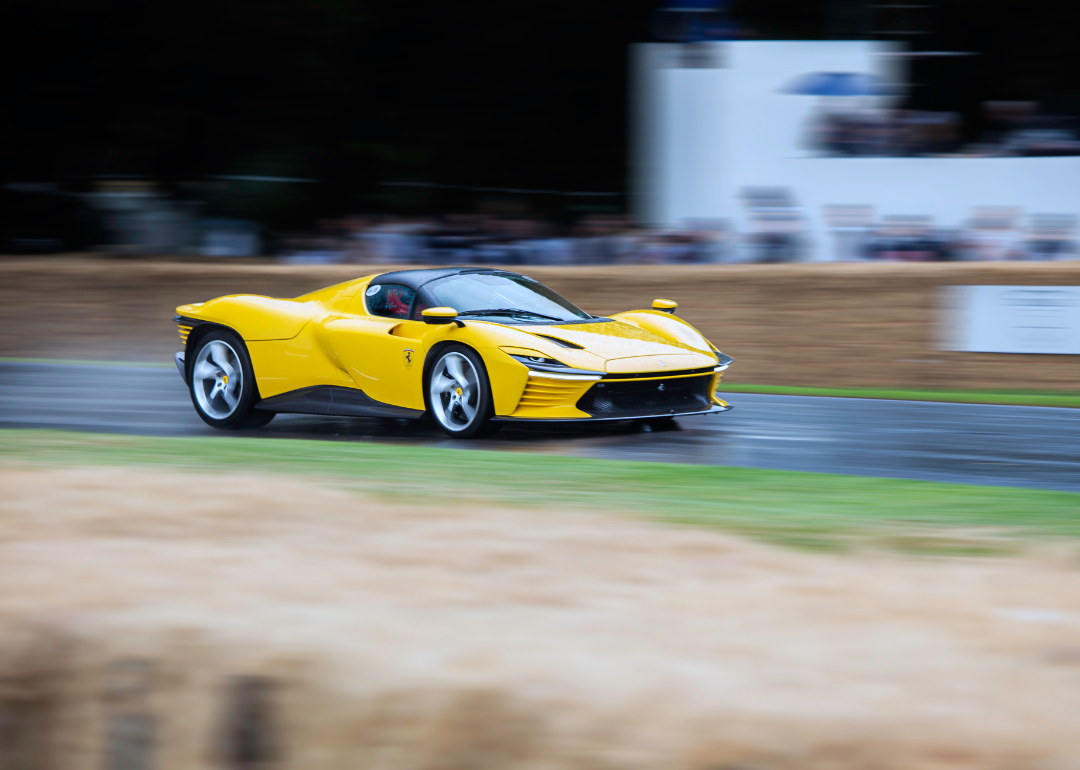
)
(472, 348)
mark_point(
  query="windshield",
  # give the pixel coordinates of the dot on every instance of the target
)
(503, 295)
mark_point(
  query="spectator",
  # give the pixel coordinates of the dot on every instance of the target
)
(1052, 237)
(776, 233)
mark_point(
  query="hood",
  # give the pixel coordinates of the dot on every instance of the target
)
(627, 348)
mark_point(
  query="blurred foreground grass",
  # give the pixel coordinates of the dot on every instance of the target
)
(810, 510)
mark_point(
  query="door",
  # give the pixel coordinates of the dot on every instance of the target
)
(382, 351)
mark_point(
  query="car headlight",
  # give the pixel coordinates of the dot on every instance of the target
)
(536, 360)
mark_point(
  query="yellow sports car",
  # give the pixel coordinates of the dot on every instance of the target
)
(474, 348)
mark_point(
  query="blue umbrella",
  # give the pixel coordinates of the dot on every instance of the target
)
(840, 84)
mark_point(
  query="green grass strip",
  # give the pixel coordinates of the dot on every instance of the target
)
(1007, 397)
(804, 509)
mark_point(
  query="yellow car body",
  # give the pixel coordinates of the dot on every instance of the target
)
(328, 353)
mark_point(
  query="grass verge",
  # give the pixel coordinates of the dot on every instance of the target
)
(1007, 397)
(811, 510)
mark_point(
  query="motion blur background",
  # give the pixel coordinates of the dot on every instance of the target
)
(870, 564)
(520, 132)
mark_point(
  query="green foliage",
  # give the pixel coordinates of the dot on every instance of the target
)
(520, 93)
(350, 92)
(807, 510)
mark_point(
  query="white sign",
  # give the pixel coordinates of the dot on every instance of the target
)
(1013, 319)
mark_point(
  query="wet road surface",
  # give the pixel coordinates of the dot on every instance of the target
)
(966, 443)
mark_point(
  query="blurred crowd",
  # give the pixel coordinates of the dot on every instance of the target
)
(136, 221)
(885, 133)
(991, 234)
(1010, 129)
(481, 239)
(775, 234)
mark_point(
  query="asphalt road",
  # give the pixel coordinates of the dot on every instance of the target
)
(965, 443)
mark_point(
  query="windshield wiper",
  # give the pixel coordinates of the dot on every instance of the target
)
(511, 311)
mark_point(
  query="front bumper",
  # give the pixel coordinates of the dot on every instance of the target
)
(581, 396)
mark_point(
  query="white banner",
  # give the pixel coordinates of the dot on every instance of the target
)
(1013, 319)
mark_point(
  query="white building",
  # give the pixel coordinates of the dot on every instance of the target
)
(714, 120)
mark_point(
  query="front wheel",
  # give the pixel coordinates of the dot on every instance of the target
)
(222, 385)
(459, 393)
(661, 424)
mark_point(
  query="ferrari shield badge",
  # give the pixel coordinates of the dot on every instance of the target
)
(408, 357)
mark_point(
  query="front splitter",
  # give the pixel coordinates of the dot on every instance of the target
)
(714, 410)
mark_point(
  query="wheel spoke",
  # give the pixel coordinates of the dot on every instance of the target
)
(453, 367)
(230, 397)
(221, 357)
(204, 371)
(444, 383)
(468, 409)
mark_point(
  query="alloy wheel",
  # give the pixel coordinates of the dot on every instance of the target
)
(217, 379)
(455, 392)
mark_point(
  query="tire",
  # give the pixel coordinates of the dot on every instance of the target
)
(221, 383)
(458, 394)
(257, 419)
(661, 424)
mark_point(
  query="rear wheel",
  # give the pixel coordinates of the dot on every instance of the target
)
(459, 394)
(222, 385)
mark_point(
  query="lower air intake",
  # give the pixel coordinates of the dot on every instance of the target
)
(641, 398)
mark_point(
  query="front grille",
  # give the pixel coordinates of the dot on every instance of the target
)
(640, 398)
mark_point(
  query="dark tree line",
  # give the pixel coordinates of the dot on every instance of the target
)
(350, 92)
(517, 93)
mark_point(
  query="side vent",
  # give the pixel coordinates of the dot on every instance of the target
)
(564, 343)
(540, 392)
(184, 332)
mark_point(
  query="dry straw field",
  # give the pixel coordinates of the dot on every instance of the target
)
(193, 622)
(830, 325)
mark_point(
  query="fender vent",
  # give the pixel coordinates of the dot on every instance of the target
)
(541, 392)
(184, 326)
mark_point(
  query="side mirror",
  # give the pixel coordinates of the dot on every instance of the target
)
(665, 305)
(440, 315)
